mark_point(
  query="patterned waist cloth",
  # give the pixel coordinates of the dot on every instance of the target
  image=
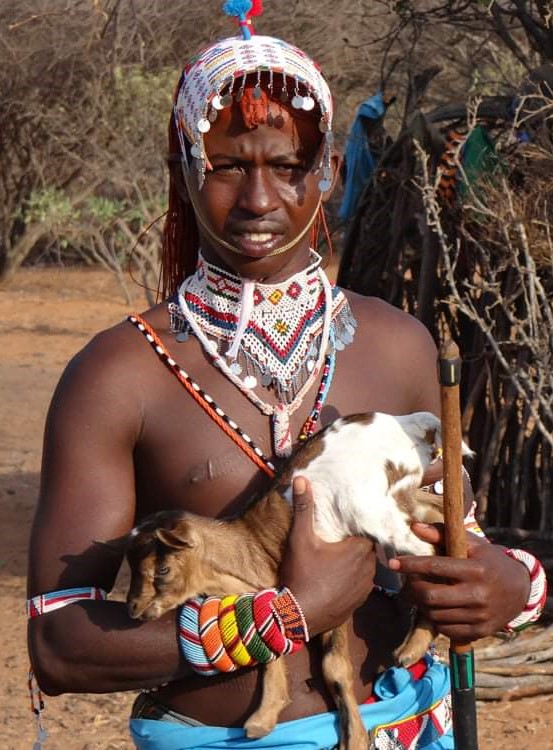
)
(426, 724)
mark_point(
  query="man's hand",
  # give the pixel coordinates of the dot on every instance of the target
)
(328, 580)
(465, 599)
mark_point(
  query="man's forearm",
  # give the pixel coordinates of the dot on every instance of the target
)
(94, 647)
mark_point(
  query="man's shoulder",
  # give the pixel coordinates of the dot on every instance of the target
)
(373, 313)
(115, 355)
(122, 339)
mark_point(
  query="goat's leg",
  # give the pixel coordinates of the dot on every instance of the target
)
(274, 698)
(338, 675)
(416, 643)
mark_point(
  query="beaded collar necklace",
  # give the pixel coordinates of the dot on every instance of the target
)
(279, 336)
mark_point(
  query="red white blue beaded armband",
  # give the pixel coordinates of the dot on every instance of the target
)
(43, 603)
(538, 590)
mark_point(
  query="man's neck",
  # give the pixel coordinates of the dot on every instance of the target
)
(265, 270)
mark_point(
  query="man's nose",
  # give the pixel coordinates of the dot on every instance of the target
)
(258, 195)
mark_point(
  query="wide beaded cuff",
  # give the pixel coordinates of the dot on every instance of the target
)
(221, 634)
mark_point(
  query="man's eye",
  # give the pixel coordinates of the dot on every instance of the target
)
(290, 171)
(289, 167)
(227, 169)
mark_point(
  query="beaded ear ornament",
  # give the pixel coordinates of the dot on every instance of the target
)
(217, 75)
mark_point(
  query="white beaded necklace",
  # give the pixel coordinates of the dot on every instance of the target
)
(280, 412)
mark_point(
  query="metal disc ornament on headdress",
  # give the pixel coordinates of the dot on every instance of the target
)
(297, 100)
(216, 77)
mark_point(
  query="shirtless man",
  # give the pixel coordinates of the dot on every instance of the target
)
(124, 439)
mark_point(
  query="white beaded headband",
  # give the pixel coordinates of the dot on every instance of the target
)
(216, 77)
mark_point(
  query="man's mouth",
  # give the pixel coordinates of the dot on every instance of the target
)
(256, 244)
(258, 236)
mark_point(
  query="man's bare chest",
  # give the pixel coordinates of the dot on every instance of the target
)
(185, 459)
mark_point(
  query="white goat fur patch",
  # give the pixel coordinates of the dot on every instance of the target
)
(351, 486)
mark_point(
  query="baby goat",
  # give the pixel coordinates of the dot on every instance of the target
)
(364, 470)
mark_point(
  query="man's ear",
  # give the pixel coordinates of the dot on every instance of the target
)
(335, 164)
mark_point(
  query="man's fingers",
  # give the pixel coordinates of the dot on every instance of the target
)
(301, 495)
(436, 568)
(303, 506)
(437, 598)
(429, 533)
(433, 473)
(434, 533)
(456, 617)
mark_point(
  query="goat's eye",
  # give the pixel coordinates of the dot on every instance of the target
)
(162, 571)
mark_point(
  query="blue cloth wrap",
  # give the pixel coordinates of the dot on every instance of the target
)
(401, 697)
(360, 161)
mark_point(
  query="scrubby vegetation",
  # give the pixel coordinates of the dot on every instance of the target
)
(85, 92)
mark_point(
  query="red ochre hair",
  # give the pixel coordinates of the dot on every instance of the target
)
(180, 242)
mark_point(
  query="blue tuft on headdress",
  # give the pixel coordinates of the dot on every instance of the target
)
(237, 8)
(240, 10)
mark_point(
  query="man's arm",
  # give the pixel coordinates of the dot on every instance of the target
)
(466, 599)
(87, 495)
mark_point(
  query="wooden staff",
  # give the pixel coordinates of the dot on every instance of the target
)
(461, 655)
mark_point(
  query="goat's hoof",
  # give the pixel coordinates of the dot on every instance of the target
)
(255, 728)
(357, 741)
(354, 735)
(405, 658)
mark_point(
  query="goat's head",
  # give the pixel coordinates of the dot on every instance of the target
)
(425, 429)
(162, 553)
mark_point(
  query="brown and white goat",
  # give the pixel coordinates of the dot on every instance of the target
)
(365, 470)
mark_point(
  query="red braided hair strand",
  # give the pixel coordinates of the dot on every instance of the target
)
(321, 222)
(179, 253)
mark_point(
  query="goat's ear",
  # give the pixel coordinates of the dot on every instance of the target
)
(433, 436)
(466, 450)
(176, 538)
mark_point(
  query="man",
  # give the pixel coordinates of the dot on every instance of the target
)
(250, 161)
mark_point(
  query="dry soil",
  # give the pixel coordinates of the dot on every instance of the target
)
(46, 315)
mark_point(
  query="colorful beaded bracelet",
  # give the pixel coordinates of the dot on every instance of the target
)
(290, 615)
(246, 626)
(189, 637)
(230, 633)
(210, 635)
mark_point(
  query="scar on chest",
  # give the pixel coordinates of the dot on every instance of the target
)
(213, 467)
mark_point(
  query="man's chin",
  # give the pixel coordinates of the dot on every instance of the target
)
(259, 264)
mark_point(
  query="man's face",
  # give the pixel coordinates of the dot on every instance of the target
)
(261, 193)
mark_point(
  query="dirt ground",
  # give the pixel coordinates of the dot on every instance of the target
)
(45, 317)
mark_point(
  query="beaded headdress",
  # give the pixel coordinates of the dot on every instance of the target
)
(216, 77)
